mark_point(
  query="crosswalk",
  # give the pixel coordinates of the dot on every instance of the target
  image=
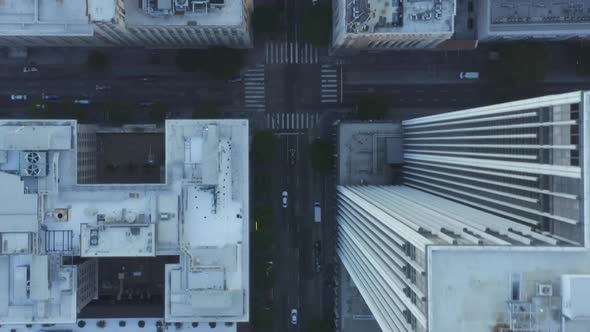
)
(255, 89)
(291, 121)
(329, 84)
(282, 52)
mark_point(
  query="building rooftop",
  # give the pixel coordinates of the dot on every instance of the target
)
(53, 17)
(181, 13)
(510, 17)
(199, 213)
(363, 151)
(477, 288)
(398, 16)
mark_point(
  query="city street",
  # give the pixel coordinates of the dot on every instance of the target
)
(299, 99)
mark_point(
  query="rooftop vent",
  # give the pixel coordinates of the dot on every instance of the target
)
(33, 163)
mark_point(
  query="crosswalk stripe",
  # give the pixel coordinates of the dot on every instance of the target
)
(287, 52)
(291, 121)
(328, 83)
(254, 86)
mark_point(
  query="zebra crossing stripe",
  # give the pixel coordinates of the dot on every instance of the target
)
(291, 121)
(290, 53)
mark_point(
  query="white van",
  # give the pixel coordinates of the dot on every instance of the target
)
(469, 75)
(317, 212)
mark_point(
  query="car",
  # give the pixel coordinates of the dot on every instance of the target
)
(292, 157)
(49, 97)
(285, 196)
(469, 75)
(40, 106)
(146, 104)
(18, 97)
(30, 69)
(82, 101)
(147, 79)
(317, 246)
(102, 87)
(294, 316)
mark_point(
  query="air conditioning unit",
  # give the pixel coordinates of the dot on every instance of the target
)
(33, 163)
(544, 290)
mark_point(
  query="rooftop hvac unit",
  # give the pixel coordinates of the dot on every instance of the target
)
(33, 163)
(544, 290)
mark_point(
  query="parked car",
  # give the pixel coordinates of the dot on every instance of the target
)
(469, 75)
(82, 101)
(146, 104)
(102, 87)
(30, 69)
(18, 97)
(294, 316)
(49, 97)
(40, 106)
(285, 199)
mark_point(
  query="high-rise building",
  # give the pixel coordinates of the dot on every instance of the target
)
(499, 20)
(151, 229)
(386, 25)
(147, 23)
(489, 213)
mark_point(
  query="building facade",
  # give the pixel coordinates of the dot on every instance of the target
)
(153, 24)
(376, 25)
(544, 20)
(504, 177)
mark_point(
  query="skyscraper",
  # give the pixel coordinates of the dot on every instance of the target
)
(495, 180)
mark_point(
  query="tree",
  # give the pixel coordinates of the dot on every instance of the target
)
(119, 111)
(317, 24)
(98, 61)
(266, 20)
(264, 234)
(101, 324)
(189, 60)
(222, 62)
(371, 107)
(218, 62)
(583, 59)
(263, 145)
(262, 320)
(263, 275)
(521, 63)
(158, 112)
(141, 323)
(321, 156)
(73, 111)
(206, 111)
(317, 325)
(81, 323)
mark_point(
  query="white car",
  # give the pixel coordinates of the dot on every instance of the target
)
(18, 97)
(285, 199)
(82, 101)
(294, 316)
(30, 69)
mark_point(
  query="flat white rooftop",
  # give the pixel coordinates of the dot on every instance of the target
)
(200, 214)
(404, 17)
(469, 287)
(53, 17)
(165, 13)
